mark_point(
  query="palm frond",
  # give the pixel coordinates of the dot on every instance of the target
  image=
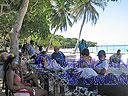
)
(69, 21)
(99, 3)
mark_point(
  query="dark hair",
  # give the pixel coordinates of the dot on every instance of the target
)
(33, 56)
(82, 40)
(8, 61)
(118, 50)
(40, 48)
(20, 46)
(85, 52)
(31, 42)
(1, 51)
(43, 52)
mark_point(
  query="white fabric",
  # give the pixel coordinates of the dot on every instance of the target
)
(53, 65)
(87, 72)
(102, 65)
(118, 71)
(21, 94)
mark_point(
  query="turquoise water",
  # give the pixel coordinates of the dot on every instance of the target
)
(110, 48)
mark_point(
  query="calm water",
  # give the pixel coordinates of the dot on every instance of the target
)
(110, 48)
(107, 48)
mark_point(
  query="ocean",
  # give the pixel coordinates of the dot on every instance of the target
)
(109, 48)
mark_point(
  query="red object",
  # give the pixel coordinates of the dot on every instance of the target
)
(24, 91)
(28, 84)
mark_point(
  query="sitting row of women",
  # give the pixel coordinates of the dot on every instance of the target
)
(15, 82)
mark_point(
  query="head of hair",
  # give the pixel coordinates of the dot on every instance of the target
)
(101, 52)
(20, 46)
(118, 52)
(8, 61)
(82, 40)
(33, 56)
(40, 48)
(43, 52)
(3, 56)
(56, 48)
(31, 42)
(85, 52)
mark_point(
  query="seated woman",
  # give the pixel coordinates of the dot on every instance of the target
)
(27, 73)
(102, 65)
(14, 80)
(116, 60)
(86, 60)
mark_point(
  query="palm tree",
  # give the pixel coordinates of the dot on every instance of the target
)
(87, 10)
(59, 17)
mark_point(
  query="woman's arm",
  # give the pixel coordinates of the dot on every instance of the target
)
(12, 85)
(101, 71)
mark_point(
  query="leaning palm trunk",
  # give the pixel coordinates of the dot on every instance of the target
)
(80, 31)
(16, 29)
(50, 41)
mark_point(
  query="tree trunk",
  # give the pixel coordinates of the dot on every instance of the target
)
(80, 31)
(14, 34)
(50, 41)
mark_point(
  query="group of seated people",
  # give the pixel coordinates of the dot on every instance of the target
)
(87, 66)
(16, 77)
(86, 61)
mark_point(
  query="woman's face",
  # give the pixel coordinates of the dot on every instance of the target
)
(102, 57)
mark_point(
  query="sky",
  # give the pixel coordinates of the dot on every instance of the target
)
(110, 29)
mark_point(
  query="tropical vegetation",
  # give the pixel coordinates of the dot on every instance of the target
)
(23, 19)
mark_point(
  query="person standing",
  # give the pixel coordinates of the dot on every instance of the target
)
(82, 45)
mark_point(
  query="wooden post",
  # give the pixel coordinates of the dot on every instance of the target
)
(56, 91)
(61, 89)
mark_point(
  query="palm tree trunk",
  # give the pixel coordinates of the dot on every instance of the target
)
(80, 31)
(50, 41)
(14, 34)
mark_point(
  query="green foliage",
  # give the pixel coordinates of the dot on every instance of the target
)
(6, 22)
(90, 43)
(35, 25)
(58, 14)
(69, 42)
(88, 8)
(14, 4)
(43, 14)
(35, 21)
